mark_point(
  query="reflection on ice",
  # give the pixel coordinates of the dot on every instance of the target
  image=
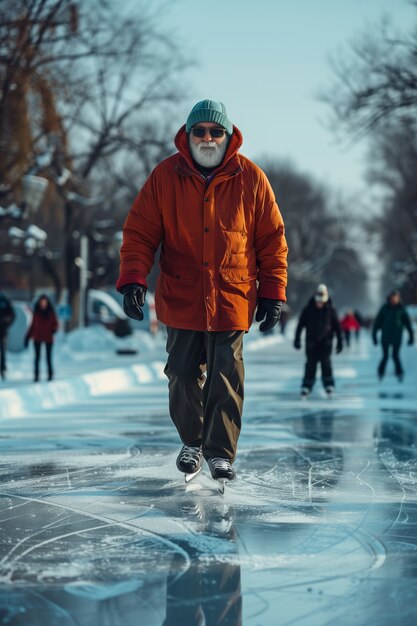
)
(97, 526)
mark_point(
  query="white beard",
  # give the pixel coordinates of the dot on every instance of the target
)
(208, 153)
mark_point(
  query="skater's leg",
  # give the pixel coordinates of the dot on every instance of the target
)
(49, 360)
(383, 363)
(37, 346)
(347, 338)
(2, 354)
(310, 367)
(184, 370)
(396, 358)
(223, 394)
(326, 365)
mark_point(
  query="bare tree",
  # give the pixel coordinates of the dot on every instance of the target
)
(374, 95)
(374, 80)
(393, 167)
(322, 242)
(87, 98)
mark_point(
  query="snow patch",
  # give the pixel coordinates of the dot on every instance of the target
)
(31, 399)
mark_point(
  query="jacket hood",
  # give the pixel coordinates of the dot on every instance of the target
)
(230, 160)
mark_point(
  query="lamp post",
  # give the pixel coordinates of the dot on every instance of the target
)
(82, 263)
(77, 229)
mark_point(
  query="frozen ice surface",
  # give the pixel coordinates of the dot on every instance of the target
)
(97, 526)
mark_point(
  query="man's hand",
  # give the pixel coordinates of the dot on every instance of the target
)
(339, 347)
(269, 309)
(134, 300)
(297, 344)
(411, 340)
(375, 340)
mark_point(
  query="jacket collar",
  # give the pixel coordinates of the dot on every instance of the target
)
(230, 163)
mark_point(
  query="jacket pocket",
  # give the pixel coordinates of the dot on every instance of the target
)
(233, 275)
(178, 296)
(180, 273)
(238, 290)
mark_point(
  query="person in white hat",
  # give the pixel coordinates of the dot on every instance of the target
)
(320, 320)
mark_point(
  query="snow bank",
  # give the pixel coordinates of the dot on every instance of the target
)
(32, 399)
(89, 364)
(94, 339)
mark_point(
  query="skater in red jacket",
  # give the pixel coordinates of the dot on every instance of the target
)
(349, 324)
(44, 326)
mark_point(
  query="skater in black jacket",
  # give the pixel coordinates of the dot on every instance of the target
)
(7, 316)
(391, 321)
(320, 320)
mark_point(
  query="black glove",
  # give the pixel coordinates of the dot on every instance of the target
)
(339, 347)
(375, 340)
(411, 340)
(133, 300)
(270, 309)
(26, 343)
(297, 344)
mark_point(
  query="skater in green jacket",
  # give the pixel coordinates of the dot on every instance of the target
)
(391, 320)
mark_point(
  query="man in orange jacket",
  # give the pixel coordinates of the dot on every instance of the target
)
(223, 253)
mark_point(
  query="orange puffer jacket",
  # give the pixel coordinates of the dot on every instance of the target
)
(223, 243)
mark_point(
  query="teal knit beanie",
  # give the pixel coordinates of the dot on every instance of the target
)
(209, 111)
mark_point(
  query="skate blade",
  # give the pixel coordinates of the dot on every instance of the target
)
(189, 477)
(221, 484)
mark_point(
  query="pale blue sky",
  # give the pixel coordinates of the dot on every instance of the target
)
(266, 60)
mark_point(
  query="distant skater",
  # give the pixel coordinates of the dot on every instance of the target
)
(392, 318)
(7, 316)
(361, 321)
(320, 320)
(349, 324)
(44, 326)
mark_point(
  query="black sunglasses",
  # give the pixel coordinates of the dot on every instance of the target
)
(200, 131)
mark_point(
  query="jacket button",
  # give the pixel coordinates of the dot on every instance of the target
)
(206, 199)
(206, 229)
(205, 263)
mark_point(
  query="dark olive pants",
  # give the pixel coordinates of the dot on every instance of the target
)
(206, 408)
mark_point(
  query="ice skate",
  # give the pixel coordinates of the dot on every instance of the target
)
(329, 391)
(221, 485)
(188, 477)
(221, 471)
(305, 392)
(189, 461)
